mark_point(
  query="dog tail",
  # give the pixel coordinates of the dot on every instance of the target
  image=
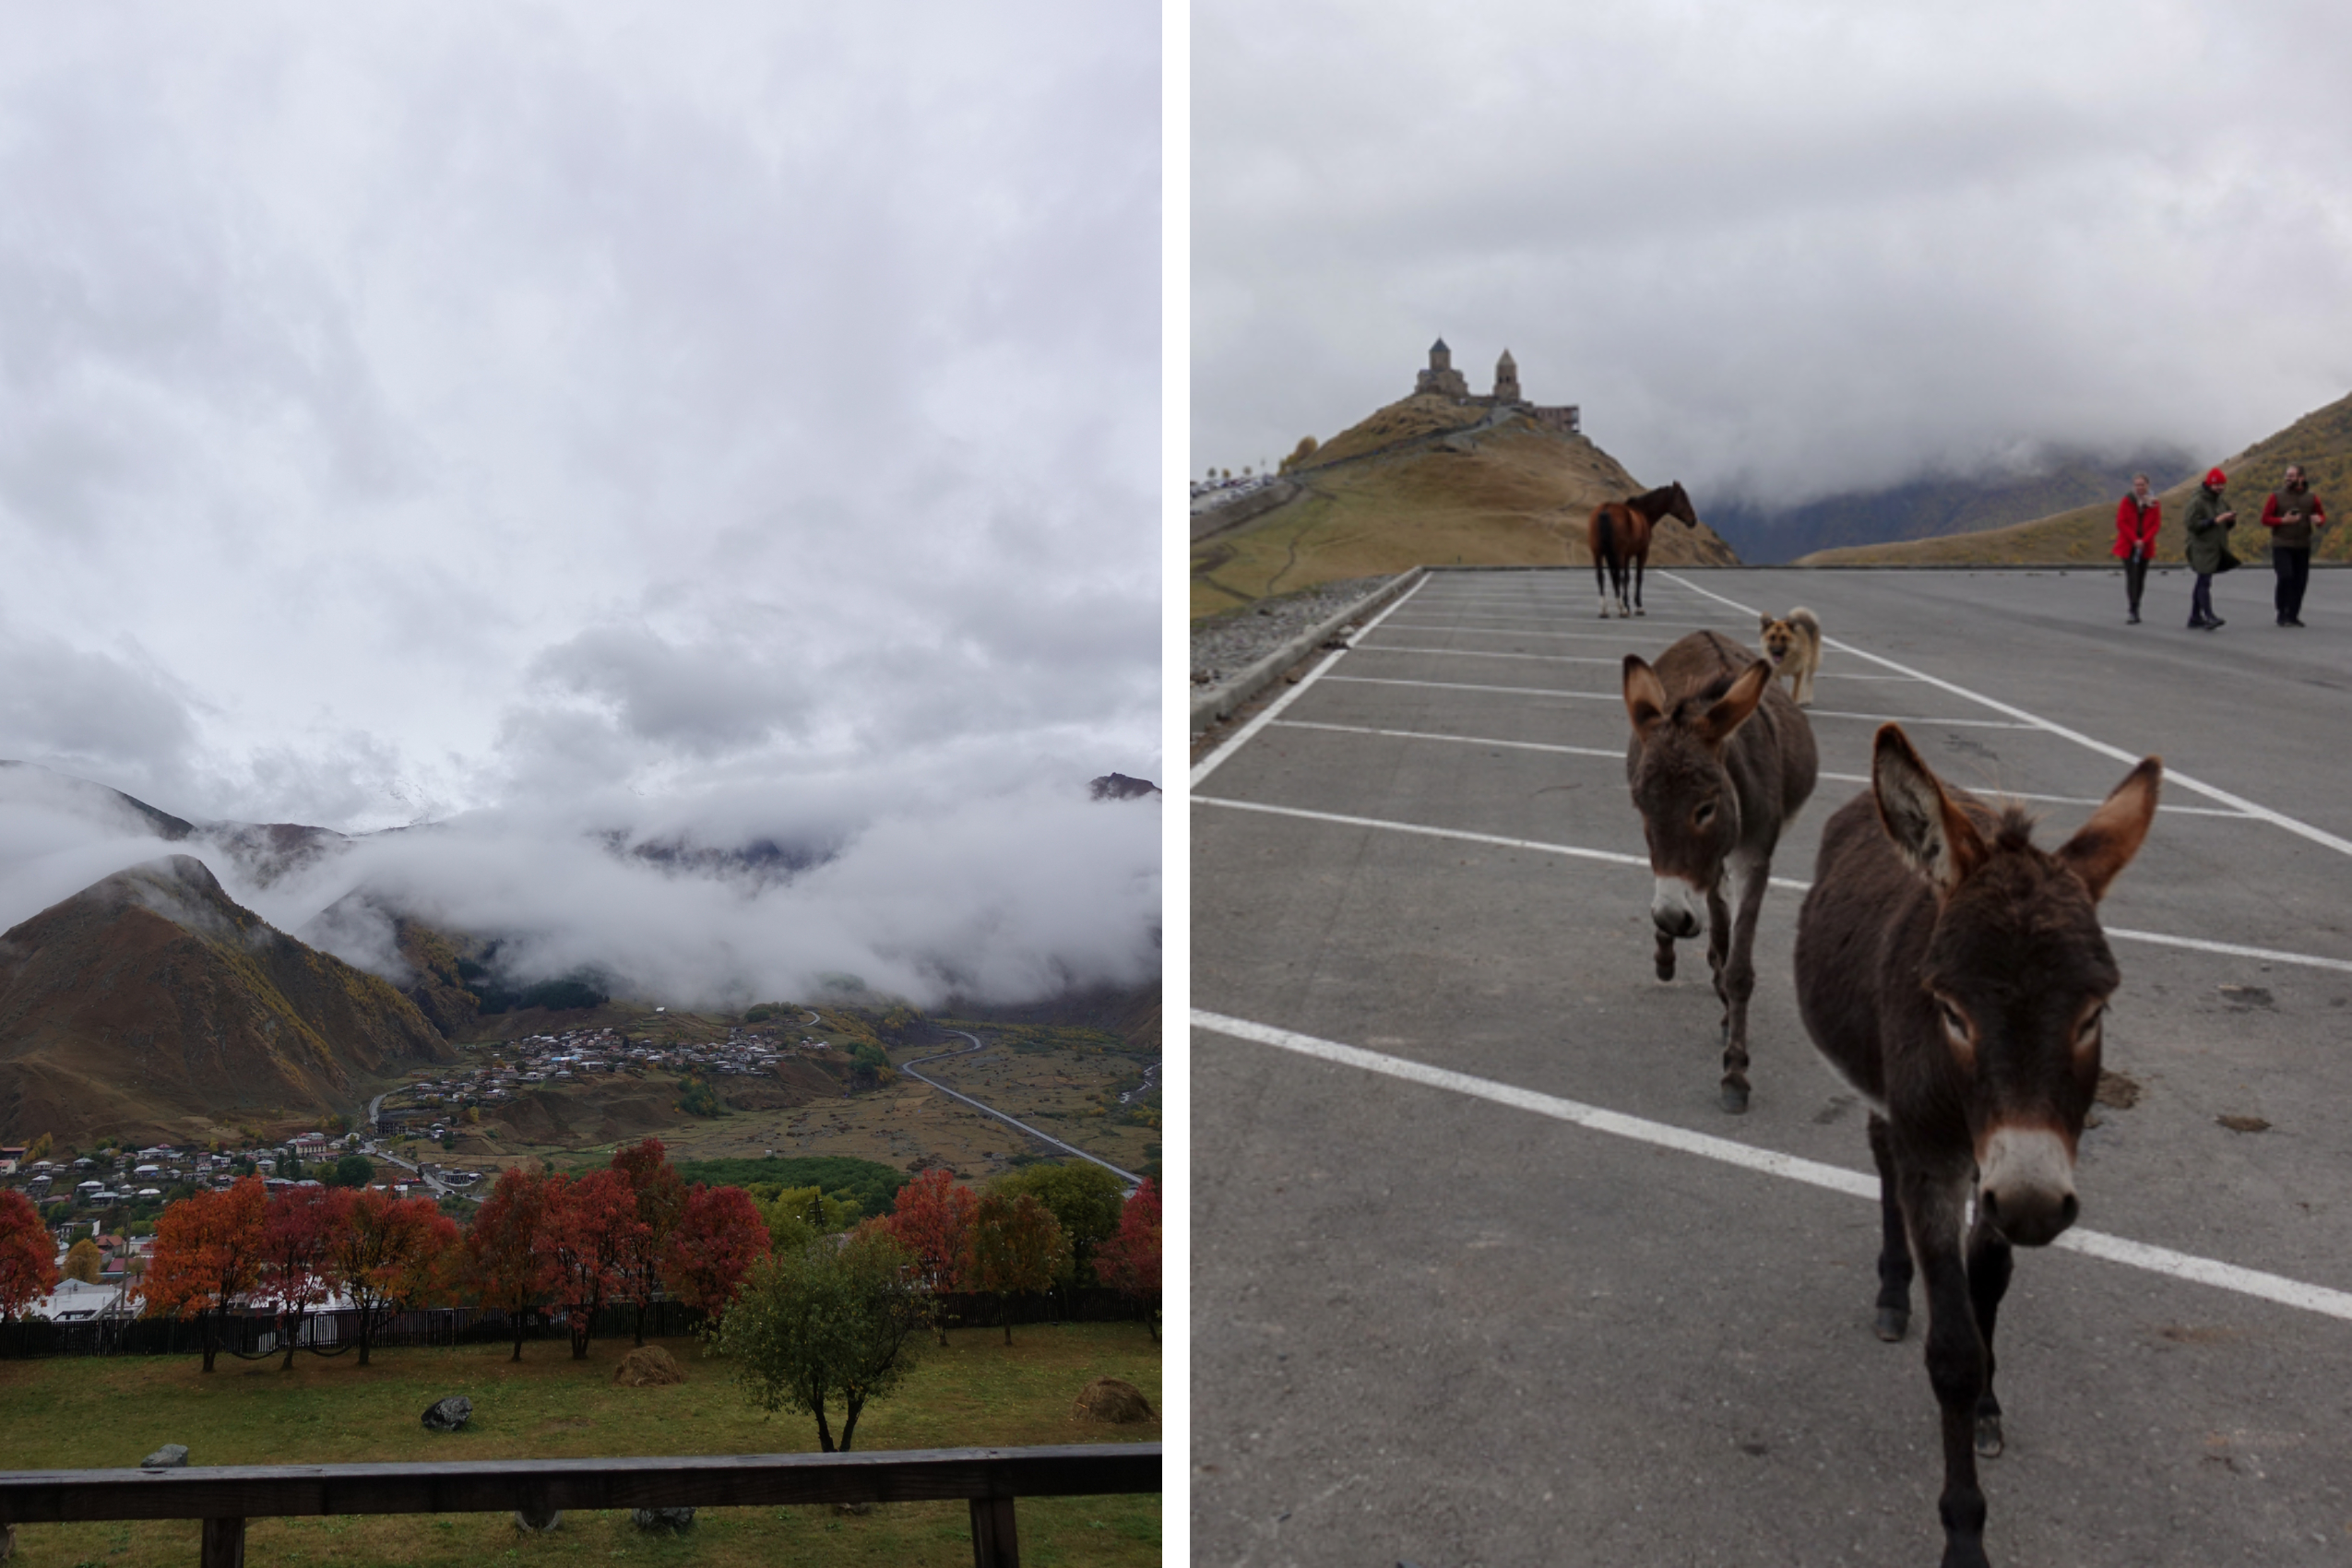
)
(1807, 620)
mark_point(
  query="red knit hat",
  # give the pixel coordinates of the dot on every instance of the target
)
(2215, 478)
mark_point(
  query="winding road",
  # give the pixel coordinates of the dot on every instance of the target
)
(909, 1068)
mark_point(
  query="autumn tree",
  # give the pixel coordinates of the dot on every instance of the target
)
(933, 1220)
(299, 1229)
(716, 1239)
(1129, 1261)
(27, 1255)
(824, 1324)
(208, 1252)
(504, 1267)
(1085, 1199)
(660, 1196)
(85, 1262)
(392, 1252)
(1018, 1249)
(588, 1229)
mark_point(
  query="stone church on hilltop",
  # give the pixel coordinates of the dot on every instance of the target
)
(1441, 380)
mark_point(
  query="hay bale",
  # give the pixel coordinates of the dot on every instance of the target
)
(1108, 1399)
(648, 1366)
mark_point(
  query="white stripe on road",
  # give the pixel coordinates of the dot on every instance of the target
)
(1619, 697)
(1619, 755)
(1834, 1178)
(2193, 944)
(2276, 819)
(1247, 732)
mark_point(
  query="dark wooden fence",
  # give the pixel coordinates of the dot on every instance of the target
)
(248, 1333)
(225, 1496)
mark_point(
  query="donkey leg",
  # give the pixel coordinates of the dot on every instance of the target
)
(1738, 978)
(1932, 1207)
(1988, 1267)
(1894, 1245)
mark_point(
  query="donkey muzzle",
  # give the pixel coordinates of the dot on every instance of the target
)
(1671, 909)
(2025, 1186)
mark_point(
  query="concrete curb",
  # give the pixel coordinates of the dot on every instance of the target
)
(1219, 702)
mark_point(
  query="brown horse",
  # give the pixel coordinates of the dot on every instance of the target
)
(1957, 976)
(1618, 537)
(1720, 762)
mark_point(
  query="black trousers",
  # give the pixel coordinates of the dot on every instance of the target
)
(2294, 569)
(2135, 577)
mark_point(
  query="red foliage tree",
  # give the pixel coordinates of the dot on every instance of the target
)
(392, 1252)
(208, 1252)
(933, 1220)
(587, 1231)
(717, 1238)
(1018, 1249)
(299, 1229)
(504, 1267)
(1129, 1261)
(27, 1255)
(661, 1205)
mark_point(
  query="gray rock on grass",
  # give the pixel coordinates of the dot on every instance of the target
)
(528, 1519)
(664, 1521)
(170, 1456)
(448, 1414)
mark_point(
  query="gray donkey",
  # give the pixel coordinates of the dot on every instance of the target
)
(1720, 762)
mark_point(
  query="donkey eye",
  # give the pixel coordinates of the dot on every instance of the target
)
(1704, 814)
(1956, 1032)
(2087, 1032)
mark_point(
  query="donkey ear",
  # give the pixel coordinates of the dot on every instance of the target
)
(1644, 696)
(2102, 846)
(1933, 835)
(1732, 709)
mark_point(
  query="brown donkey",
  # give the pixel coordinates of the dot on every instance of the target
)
(1957, 976)
(1720, 762)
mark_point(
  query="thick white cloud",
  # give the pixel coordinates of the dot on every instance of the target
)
(597, 421)
(1783, 247)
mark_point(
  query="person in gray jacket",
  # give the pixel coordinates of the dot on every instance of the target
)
(2208, 548)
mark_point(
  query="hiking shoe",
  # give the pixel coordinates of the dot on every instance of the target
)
(2133, 620)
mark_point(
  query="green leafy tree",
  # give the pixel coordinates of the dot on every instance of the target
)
(1085, 1200)
(825, 1325)
(1018, 1249)
(796, 1216)
(351, 1170)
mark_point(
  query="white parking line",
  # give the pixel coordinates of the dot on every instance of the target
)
(2275, 818)
(1619, 697)
(2158, 939)
(1619, 755)
(1618, 663)
(1747, 1156)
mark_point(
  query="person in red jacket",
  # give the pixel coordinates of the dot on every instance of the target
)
(2295, 518)
(2137, 518)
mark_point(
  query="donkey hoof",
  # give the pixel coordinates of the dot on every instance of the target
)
(1989, 1435)
(1735, 1097)
(1893, 1323)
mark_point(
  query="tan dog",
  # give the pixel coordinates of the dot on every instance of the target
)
(1793, 645)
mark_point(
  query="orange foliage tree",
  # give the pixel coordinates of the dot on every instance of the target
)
(933, 1220)
(1129, 1261)
(27, 1255)
(208, 1252)
(1017, 1250)
(504, 1267)
(661, 1205)
(389, 1253)
(717, 1238)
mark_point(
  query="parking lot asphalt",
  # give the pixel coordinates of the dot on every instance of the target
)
(1436, 1321)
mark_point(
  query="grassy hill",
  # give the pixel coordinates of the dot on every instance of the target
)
(150, 1004)
(1425, 482)
(2320, 440)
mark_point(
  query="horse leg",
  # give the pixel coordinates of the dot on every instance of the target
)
(1933, 1209)
(1894, 1246)
(1601, 579)
(1737, 981)
(1989, 1268)
(1641, 559)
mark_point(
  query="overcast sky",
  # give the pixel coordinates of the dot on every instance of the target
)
(1771, 248)
(717, 421)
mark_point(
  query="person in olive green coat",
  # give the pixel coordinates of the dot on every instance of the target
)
(2209, 525)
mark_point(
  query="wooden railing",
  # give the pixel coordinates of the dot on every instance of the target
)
(225, 1496)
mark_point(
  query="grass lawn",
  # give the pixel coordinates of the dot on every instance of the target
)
(91, 1412)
